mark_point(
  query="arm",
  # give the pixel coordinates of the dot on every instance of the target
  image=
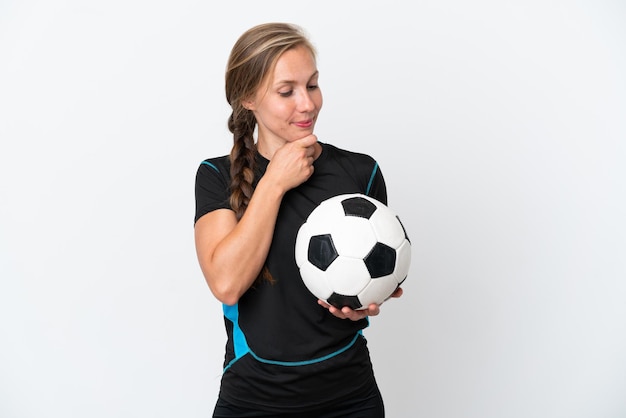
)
(231, 254)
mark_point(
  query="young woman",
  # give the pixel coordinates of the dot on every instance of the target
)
(287, 354)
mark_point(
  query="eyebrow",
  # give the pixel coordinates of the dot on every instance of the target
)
(316, 73)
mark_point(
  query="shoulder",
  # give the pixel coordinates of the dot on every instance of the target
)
(336, 152)
(213, 172)
(361, 167)
(355, 160)
(212, 185)
(217, 164)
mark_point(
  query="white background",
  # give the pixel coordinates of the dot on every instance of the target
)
(500, 129)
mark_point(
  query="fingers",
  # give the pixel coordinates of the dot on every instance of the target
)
(307, 141)
(292, 163)
(397, 293)
(351, 314)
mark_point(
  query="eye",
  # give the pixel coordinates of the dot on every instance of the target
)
(285, 93)
(313, 87)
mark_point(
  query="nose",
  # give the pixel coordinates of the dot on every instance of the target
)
(306, 103)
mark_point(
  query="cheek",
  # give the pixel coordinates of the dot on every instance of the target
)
(271, 112)
(283, 111)
(319, 100)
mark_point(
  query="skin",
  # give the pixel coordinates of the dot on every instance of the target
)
(286, 107)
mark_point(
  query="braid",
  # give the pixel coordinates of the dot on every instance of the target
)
(241, 160)
(242, 169)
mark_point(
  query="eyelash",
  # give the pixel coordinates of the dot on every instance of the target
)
(288, 93)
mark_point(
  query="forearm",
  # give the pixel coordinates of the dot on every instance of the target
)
(237, 259)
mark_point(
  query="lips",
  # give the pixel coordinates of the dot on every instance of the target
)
(304, 123)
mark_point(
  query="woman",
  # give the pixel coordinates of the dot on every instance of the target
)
(286, 354)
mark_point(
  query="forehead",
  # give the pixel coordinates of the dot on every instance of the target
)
(294, 64)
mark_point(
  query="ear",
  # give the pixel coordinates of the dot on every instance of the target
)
(248, 104)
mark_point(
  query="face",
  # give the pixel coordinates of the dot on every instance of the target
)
(288, 102)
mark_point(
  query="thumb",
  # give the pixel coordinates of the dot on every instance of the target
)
(308, 140)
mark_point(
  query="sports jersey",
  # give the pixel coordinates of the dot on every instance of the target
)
(284, 352)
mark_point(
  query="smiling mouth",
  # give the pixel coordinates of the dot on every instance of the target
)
(304, 123)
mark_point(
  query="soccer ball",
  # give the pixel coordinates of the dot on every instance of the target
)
(352, 250)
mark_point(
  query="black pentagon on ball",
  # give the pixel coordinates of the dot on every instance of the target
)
(322, 251)
(381, 261)
(339, 301)
(358, 206)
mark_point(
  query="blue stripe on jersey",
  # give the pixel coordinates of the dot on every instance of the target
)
(231, 312)
(210, 165)
(239, 339)
(369, 185)
(306, 362)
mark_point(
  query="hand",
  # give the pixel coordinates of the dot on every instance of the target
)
(292, 163)
(347, 313)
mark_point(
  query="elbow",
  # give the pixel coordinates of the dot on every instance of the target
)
(222, 285)
(225, 293)
(227, 299)
(227, 284)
